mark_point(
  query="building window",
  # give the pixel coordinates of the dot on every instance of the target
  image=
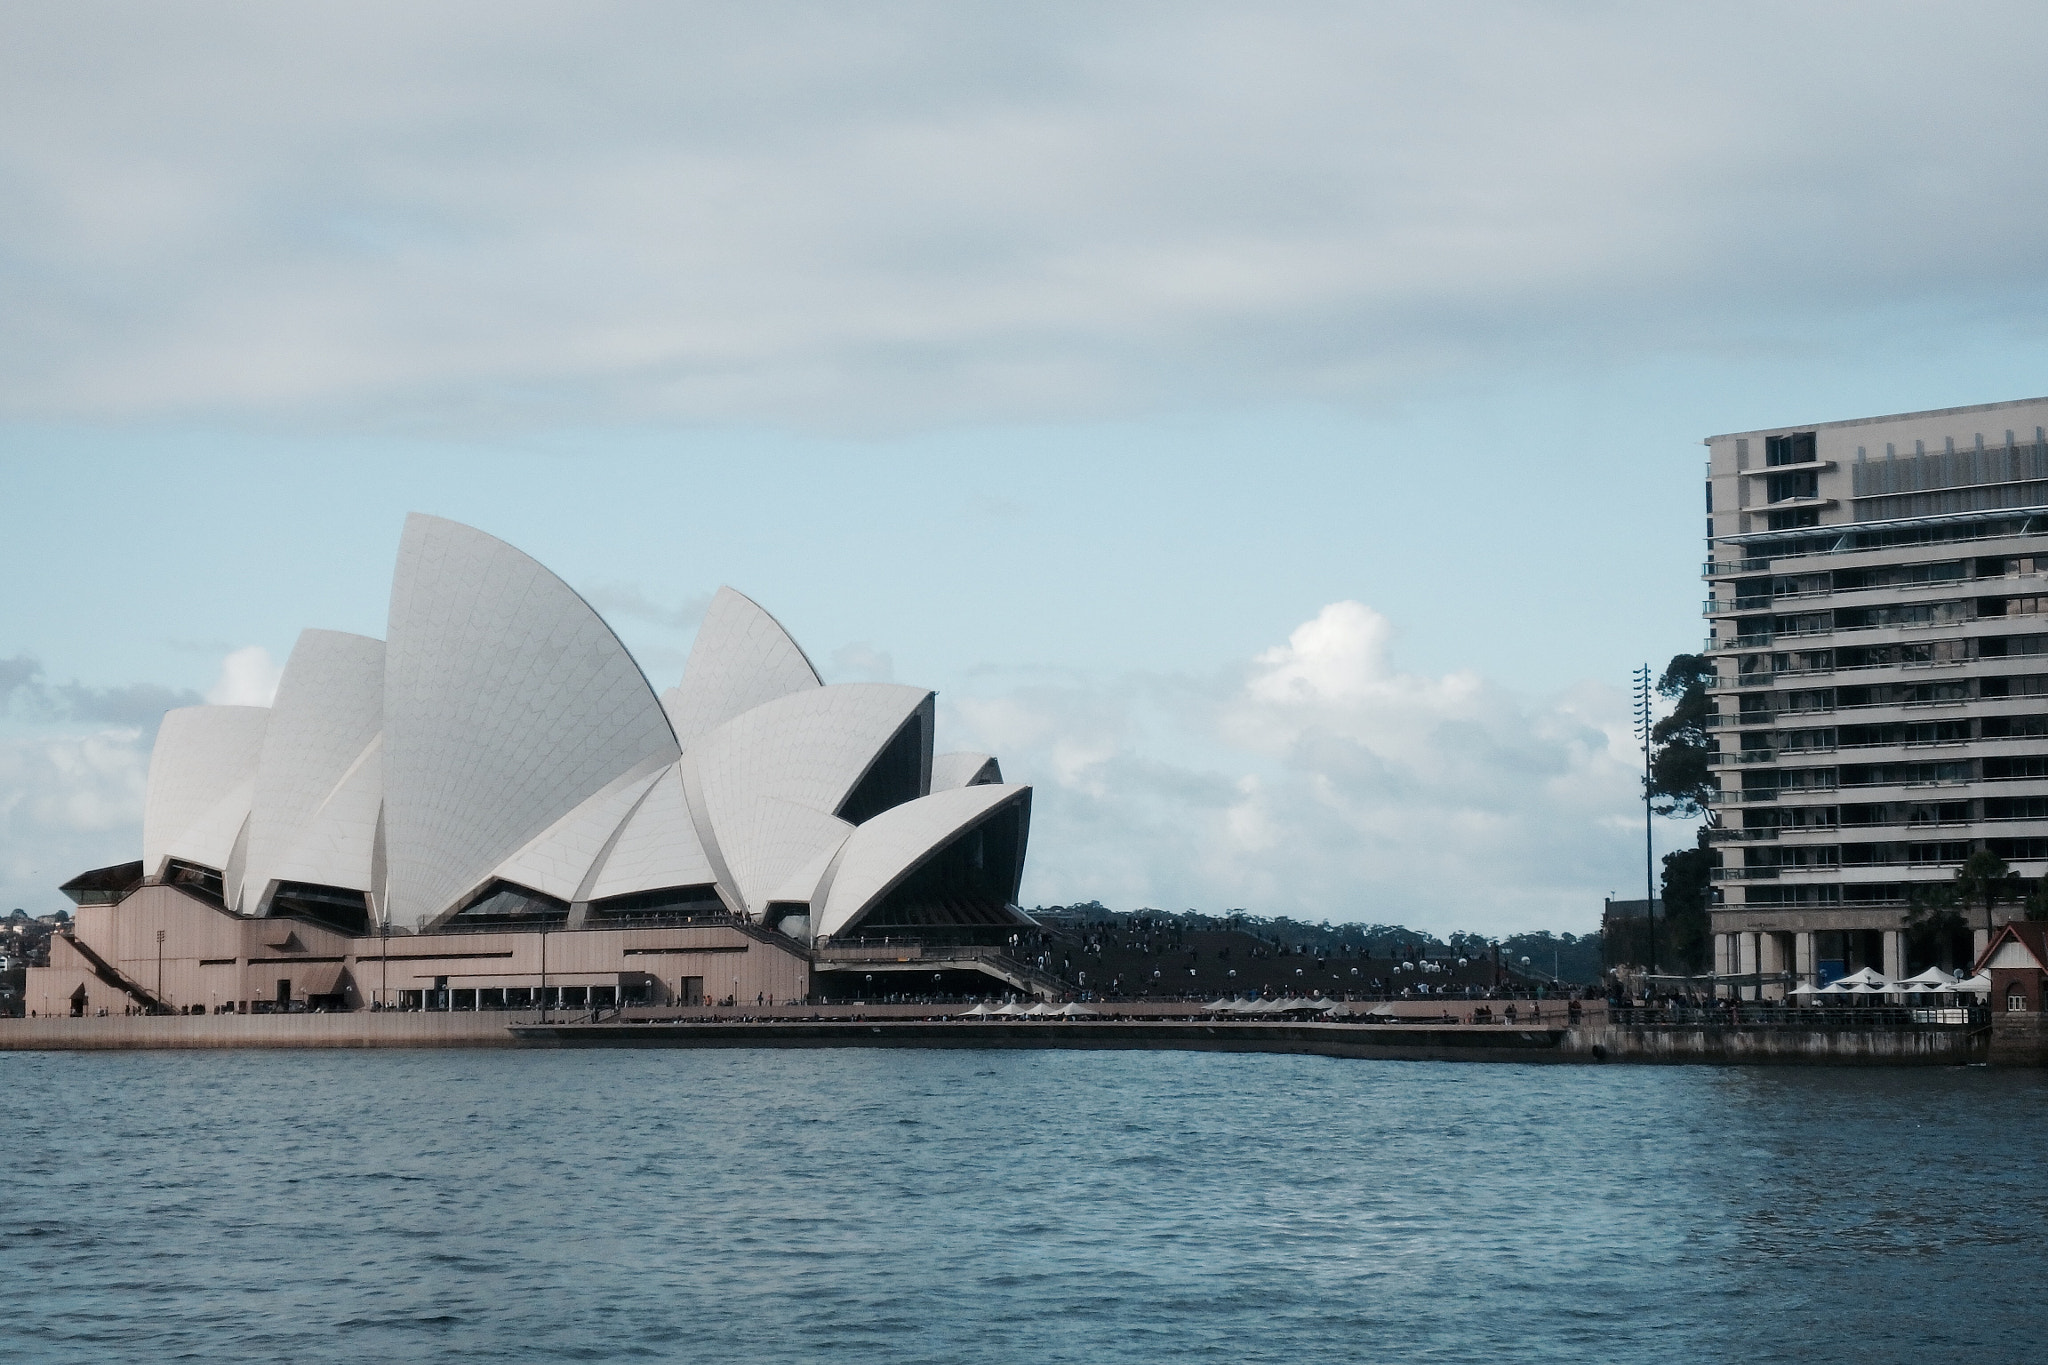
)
(2015, 1000)
(1794, 449)
(1783, 486)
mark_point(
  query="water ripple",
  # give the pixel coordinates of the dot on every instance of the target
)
(935, 1206)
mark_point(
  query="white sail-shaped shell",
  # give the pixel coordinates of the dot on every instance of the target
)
(560, 859)
(879, 855)
(202, 777)
(656, 849)
(507, 703)
(764, 788)
(742, 658)
(964, 770)
(326, 717)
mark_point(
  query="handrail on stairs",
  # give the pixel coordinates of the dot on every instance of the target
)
(114, 976)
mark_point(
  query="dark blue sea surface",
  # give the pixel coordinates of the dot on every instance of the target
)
(740, 1206)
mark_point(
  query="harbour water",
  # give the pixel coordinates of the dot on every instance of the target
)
(925, 1206)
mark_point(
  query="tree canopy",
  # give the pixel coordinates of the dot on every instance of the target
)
(1681, 782)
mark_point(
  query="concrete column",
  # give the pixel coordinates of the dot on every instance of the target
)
(1724, 954)
(1894, 953)
(1746, 950)
(1771, 958)
(1802, 956)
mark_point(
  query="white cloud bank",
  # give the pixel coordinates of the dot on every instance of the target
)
(74, 767)
(68, 802)
(852, 216)
(1322, 781)
(248, 677)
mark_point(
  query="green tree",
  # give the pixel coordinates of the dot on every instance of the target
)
(1984, 879)
(1935, 927)
(1688, 887)
(1681, 783)
(2035, 907)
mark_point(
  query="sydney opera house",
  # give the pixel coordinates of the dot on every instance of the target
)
(491, 807)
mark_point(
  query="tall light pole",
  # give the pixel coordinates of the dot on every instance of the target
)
(160, 967)
(1643, 728)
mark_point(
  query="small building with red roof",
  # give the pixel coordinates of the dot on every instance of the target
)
(2016, 958)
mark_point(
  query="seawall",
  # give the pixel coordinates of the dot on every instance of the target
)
(1387, 1041)
(361, 1028)
(1593, 1043)
(1780, 1046)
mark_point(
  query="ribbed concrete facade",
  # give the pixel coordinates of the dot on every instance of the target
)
(1878, 600)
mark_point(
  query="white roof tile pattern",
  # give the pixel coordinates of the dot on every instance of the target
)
(328, 712)
(202, 775)
(505, 732)
(763, 787)
(337, 844)
(657, 848)
(559, 860)
(964, 770)
(742, 658)
(888, 848)
(802, 884)
(507, 702)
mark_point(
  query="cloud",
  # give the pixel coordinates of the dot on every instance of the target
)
(68, 803)
(27, 695)
(248, 677)
(860, 662)
(1321, 780)
(917, 214)
(73, 767)
(629, 599)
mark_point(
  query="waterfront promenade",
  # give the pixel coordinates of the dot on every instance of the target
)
(1417, 1033)
(493, 1028)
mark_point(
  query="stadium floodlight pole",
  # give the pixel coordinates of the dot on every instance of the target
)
(1643, 726)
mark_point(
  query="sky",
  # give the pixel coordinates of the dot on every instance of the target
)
(1274, 430)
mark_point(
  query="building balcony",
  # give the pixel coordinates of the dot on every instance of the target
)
(1859, 556)
(1815, 504)
(1733, 567)
(1803, 467)
(1724, 682)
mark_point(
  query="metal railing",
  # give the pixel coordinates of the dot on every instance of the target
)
(1763, 565)
(1758, 719)
(1766, 678)
(1845, 1015)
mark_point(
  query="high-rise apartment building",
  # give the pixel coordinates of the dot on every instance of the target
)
(1878, 592)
